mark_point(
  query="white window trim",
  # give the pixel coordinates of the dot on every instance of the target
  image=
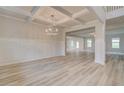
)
(118, 42)
(90, 43)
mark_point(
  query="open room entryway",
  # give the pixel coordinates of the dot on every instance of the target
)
(81, 42)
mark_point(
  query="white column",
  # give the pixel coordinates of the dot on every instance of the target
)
(100, 43)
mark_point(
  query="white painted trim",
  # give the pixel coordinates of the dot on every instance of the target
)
(99, 12)
(78, 14)
(85, 26)
(115, 26)
(115, 53)
(16, 10)
(102, 63)
(33, 12)
(26, 60)
(19, 19)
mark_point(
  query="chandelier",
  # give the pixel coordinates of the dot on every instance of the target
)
(52, 30)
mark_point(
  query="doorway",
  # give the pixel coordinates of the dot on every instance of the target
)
(81, 42)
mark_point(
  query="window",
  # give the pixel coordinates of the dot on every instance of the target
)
(77, 44)
(72, 44)
(115, 42)
(89, 43)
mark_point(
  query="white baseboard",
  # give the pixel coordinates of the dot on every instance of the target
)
(9, 62)
(115, 53)
(98, 62)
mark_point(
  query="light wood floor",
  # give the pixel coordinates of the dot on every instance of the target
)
(73, 69)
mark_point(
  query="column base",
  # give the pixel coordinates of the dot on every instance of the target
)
(100, 62)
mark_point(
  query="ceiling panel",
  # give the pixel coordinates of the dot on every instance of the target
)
(43, 15)
(26, 8)
(87, 17)
(11, 14)
(70, 23)
(41, 22)
(73, 9)
(46, 13)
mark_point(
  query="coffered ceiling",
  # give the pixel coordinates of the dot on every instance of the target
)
(65, 16)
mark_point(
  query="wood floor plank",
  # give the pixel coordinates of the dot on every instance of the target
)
(73, 69)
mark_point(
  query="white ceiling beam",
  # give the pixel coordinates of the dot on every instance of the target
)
(33, 12)
(79, 27)
(63, 11)
(98, 11)
(63, 21)
(44, 20)
(78, 14)
(68, 14)
(82, 32)
(35, 9)
(75, 36)
(16, 10)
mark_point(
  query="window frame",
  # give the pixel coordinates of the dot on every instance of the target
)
(114, 42)
(72, 44)
(89, 43)
(77, 44)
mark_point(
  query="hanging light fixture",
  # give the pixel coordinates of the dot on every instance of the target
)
(52, 30)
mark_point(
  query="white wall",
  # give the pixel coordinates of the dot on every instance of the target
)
(115, 33)
(75, 39)
(83, 44)
(110, 33)
(22, 41)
